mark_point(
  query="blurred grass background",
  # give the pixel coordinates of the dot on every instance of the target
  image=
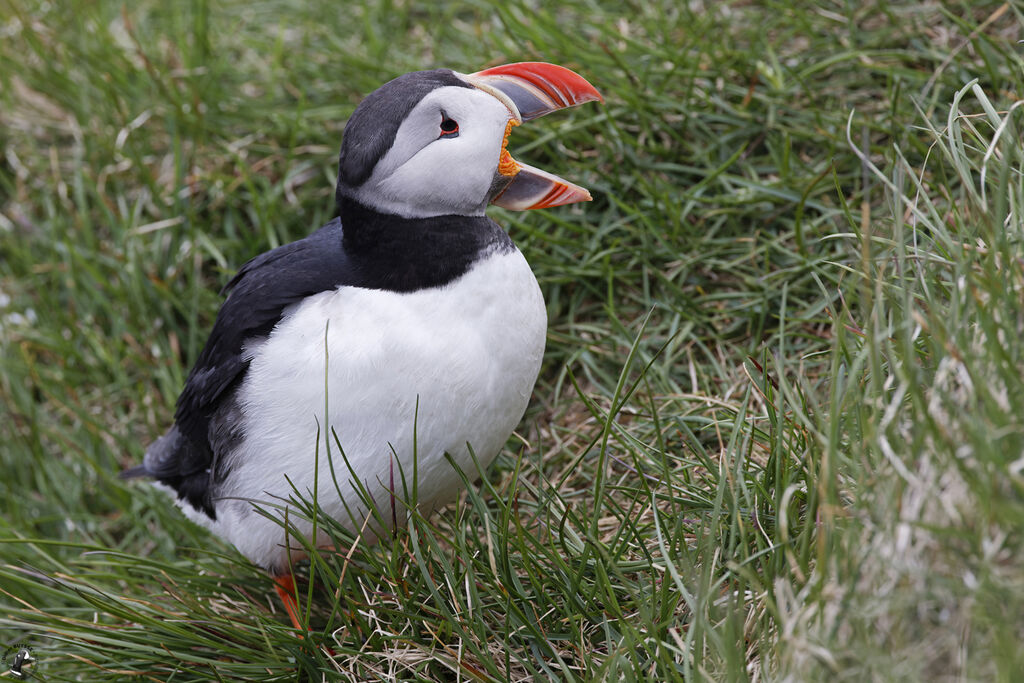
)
(778, 433)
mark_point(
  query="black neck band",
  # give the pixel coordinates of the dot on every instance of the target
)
(406, 254)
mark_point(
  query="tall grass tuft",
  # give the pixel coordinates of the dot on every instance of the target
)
(922, 583)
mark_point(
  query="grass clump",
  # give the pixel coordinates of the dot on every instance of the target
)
(923, 563)
(777, 433)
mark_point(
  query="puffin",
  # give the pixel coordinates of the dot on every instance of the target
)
(359, 364)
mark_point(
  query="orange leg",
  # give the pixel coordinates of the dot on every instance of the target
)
(285, 586)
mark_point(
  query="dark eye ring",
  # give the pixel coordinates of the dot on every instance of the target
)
(449, 128)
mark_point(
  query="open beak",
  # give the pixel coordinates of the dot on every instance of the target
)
(530, 90)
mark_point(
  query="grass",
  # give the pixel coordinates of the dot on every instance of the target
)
(778, 432)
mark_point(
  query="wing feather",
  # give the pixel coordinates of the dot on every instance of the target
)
(186, 457)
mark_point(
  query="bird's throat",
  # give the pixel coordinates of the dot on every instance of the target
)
(406, 254)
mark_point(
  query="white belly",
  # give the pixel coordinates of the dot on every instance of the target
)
(399, 378)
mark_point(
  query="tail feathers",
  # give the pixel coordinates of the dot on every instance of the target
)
(176, 462)
(135, 472)
(161, 458)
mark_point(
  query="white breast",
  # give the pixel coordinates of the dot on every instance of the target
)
(437, 368)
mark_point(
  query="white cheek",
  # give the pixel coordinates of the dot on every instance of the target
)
(449, 174)
(424, 175)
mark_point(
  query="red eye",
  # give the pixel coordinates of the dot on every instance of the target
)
(449, 128)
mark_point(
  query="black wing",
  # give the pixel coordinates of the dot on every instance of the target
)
(185, 457)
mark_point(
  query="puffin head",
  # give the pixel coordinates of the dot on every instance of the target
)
(433, 143)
